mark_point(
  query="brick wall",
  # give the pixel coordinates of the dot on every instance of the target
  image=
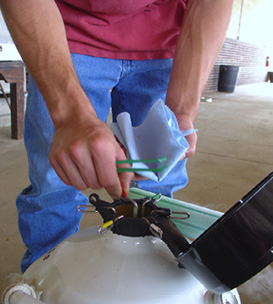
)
(250, 58)
(248, 42)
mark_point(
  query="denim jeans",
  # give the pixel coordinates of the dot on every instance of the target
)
(47, 208)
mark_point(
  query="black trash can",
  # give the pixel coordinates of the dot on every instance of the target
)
(227, 78)
(270, 76)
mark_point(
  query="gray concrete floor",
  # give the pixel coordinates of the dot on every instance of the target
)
(234, 153)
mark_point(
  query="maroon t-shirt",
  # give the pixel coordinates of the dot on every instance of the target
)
(123, 29)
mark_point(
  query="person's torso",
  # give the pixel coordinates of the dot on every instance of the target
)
(123, 29)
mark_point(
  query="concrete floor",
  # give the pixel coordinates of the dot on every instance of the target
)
(234, 153)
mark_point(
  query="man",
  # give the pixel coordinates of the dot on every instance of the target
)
(85, 56)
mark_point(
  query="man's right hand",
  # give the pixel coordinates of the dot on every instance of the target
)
(84, 153)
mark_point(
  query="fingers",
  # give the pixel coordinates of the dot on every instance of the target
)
(192, 141)
(91, 163)
(185, 122)
(105, 164)
(75, 167)
(124, 177)
(60, 172)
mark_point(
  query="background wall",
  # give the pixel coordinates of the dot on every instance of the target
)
(248, 43)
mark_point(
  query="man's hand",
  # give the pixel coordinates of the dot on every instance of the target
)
(84, 154)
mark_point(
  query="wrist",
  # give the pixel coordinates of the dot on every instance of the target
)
(80, 112)
(66, 100)
(185, 121)
(184, 110)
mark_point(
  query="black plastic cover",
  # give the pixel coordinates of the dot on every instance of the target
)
(238, 245)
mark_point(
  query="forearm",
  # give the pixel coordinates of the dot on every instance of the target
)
(38, 32)
(200, 41)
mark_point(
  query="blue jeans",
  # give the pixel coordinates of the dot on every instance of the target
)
(47, 208)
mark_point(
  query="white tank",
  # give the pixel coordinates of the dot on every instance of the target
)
(93, 268)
